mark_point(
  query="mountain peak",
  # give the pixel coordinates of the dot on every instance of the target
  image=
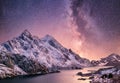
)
(113, 55)
(26, 33)
(48, 37)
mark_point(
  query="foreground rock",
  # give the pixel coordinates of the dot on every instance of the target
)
(84, 75)
(111, 75)
(82, 79)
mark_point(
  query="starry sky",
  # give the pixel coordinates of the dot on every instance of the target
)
(90, 28)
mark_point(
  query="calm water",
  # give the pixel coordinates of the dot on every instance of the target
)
(66, 76)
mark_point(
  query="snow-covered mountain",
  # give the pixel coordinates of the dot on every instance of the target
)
(111, 60)
(15, 64)
(30, 54)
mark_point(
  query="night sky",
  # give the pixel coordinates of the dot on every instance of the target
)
(91, 28)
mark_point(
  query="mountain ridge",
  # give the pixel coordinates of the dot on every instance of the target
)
(36, 53)
(111, 60)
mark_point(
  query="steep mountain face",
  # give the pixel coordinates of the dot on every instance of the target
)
(15, 64)
(111, 60)
(31, 54)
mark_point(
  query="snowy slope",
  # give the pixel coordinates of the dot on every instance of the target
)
(47, 51)
(16, 64)
(111, 60)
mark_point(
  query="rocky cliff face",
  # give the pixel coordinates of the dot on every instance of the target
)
(16, 64)
(29, 54)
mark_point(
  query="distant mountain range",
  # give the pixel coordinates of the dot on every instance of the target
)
(111, 60)
(27, 54)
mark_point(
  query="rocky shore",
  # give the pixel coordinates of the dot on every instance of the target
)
(111, 75)
(103, 75)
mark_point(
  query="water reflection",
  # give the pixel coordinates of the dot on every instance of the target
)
(66, 76)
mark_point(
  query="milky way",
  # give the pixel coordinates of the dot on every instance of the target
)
(91, 28)
(99, 24)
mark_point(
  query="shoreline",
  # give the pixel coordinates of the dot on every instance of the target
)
(29, 75)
